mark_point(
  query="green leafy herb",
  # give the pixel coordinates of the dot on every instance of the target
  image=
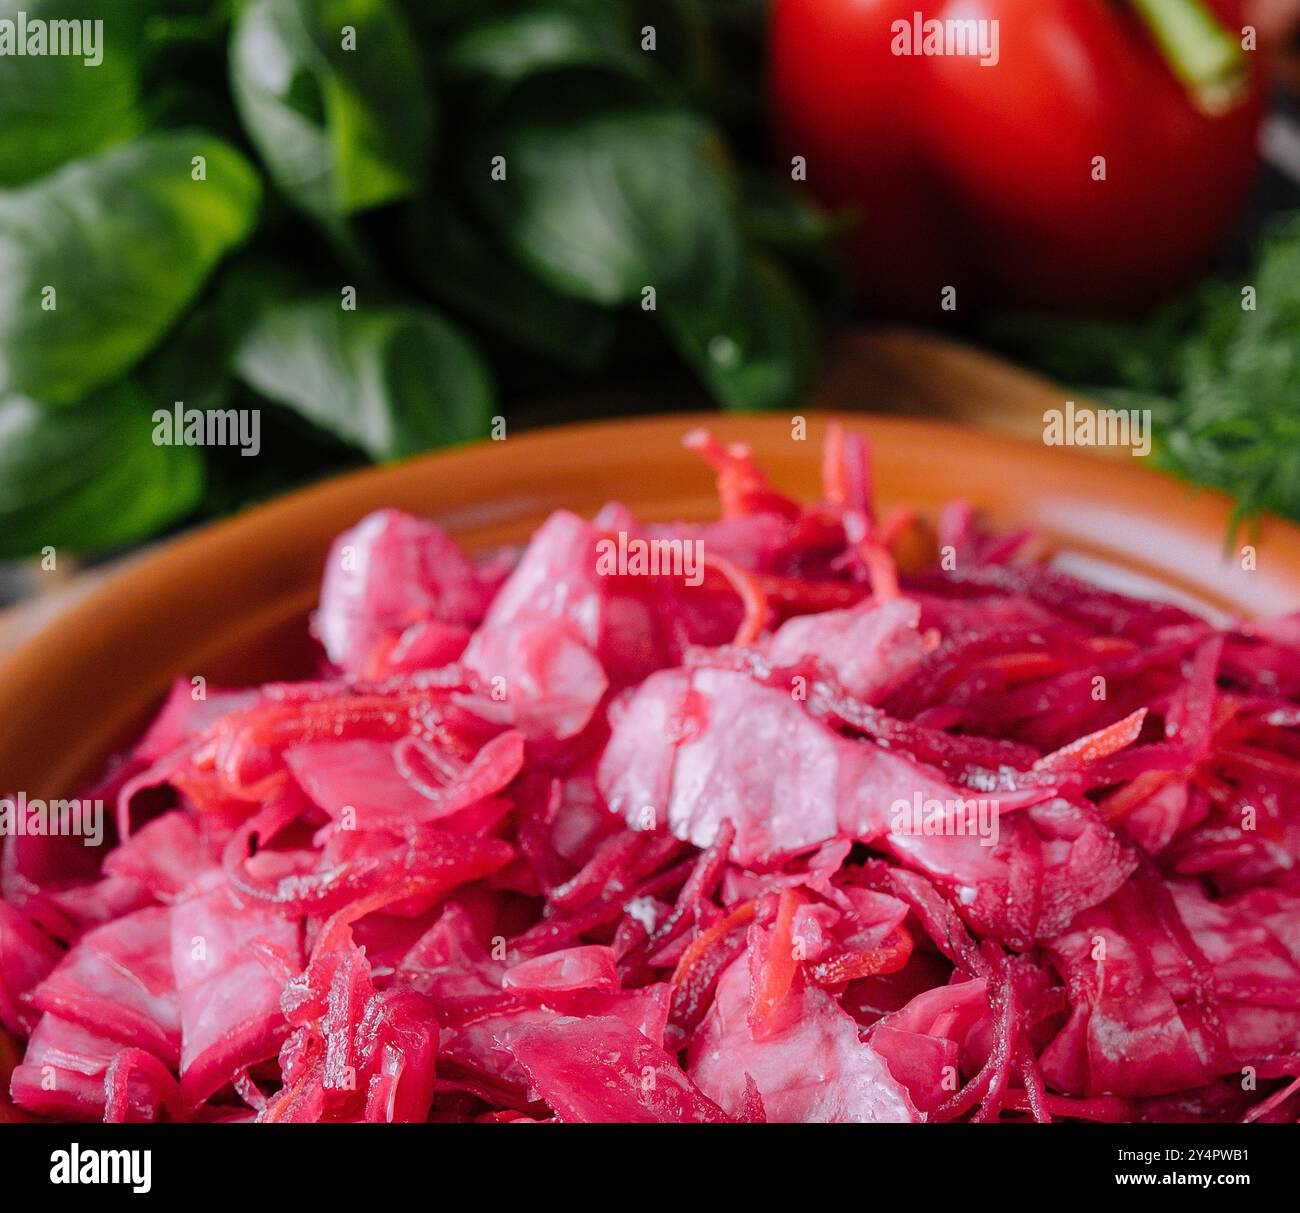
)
(390, 380)
(458, 262)
(620, 231)
(512, 47)
(755, 349)
(98, 260)
(89, 476)
(56, 108)
(1219, 370)
(605, 206)
(334, 97)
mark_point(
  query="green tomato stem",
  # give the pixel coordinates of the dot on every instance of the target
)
(1207, 58)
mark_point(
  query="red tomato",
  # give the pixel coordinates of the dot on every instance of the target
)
(1072, 169)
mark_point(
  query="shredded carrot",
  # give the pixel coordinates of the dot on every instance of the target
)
(752, 598)
(781, 963)
(881, 570)
(1095, 746)
(706, 939)
(1021, 667)
(869, 962)
(1124, 800)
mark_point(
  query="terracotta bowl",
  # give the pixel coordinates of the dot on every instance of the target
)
(231, 601)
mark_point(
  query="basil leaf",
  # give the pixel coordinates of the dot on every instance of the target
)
(390, 380)
(190, 365)
(603, 206)
(55, 108)
(457, 263)
(511, 48)
(340, 128)
(89, 477)
(758, 349)
(98, 260)
(777, 216)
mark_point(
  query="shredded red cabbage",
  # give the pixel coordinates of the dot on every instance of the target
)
(774, 826)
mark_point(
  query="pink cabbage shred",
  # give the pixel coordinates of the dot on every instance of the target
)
(544, 841)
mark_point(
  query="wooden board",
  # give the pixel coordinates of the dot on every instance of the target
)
(917, 374)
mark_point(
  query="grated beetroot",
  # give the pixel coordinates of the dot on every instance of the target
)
(805, 836)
